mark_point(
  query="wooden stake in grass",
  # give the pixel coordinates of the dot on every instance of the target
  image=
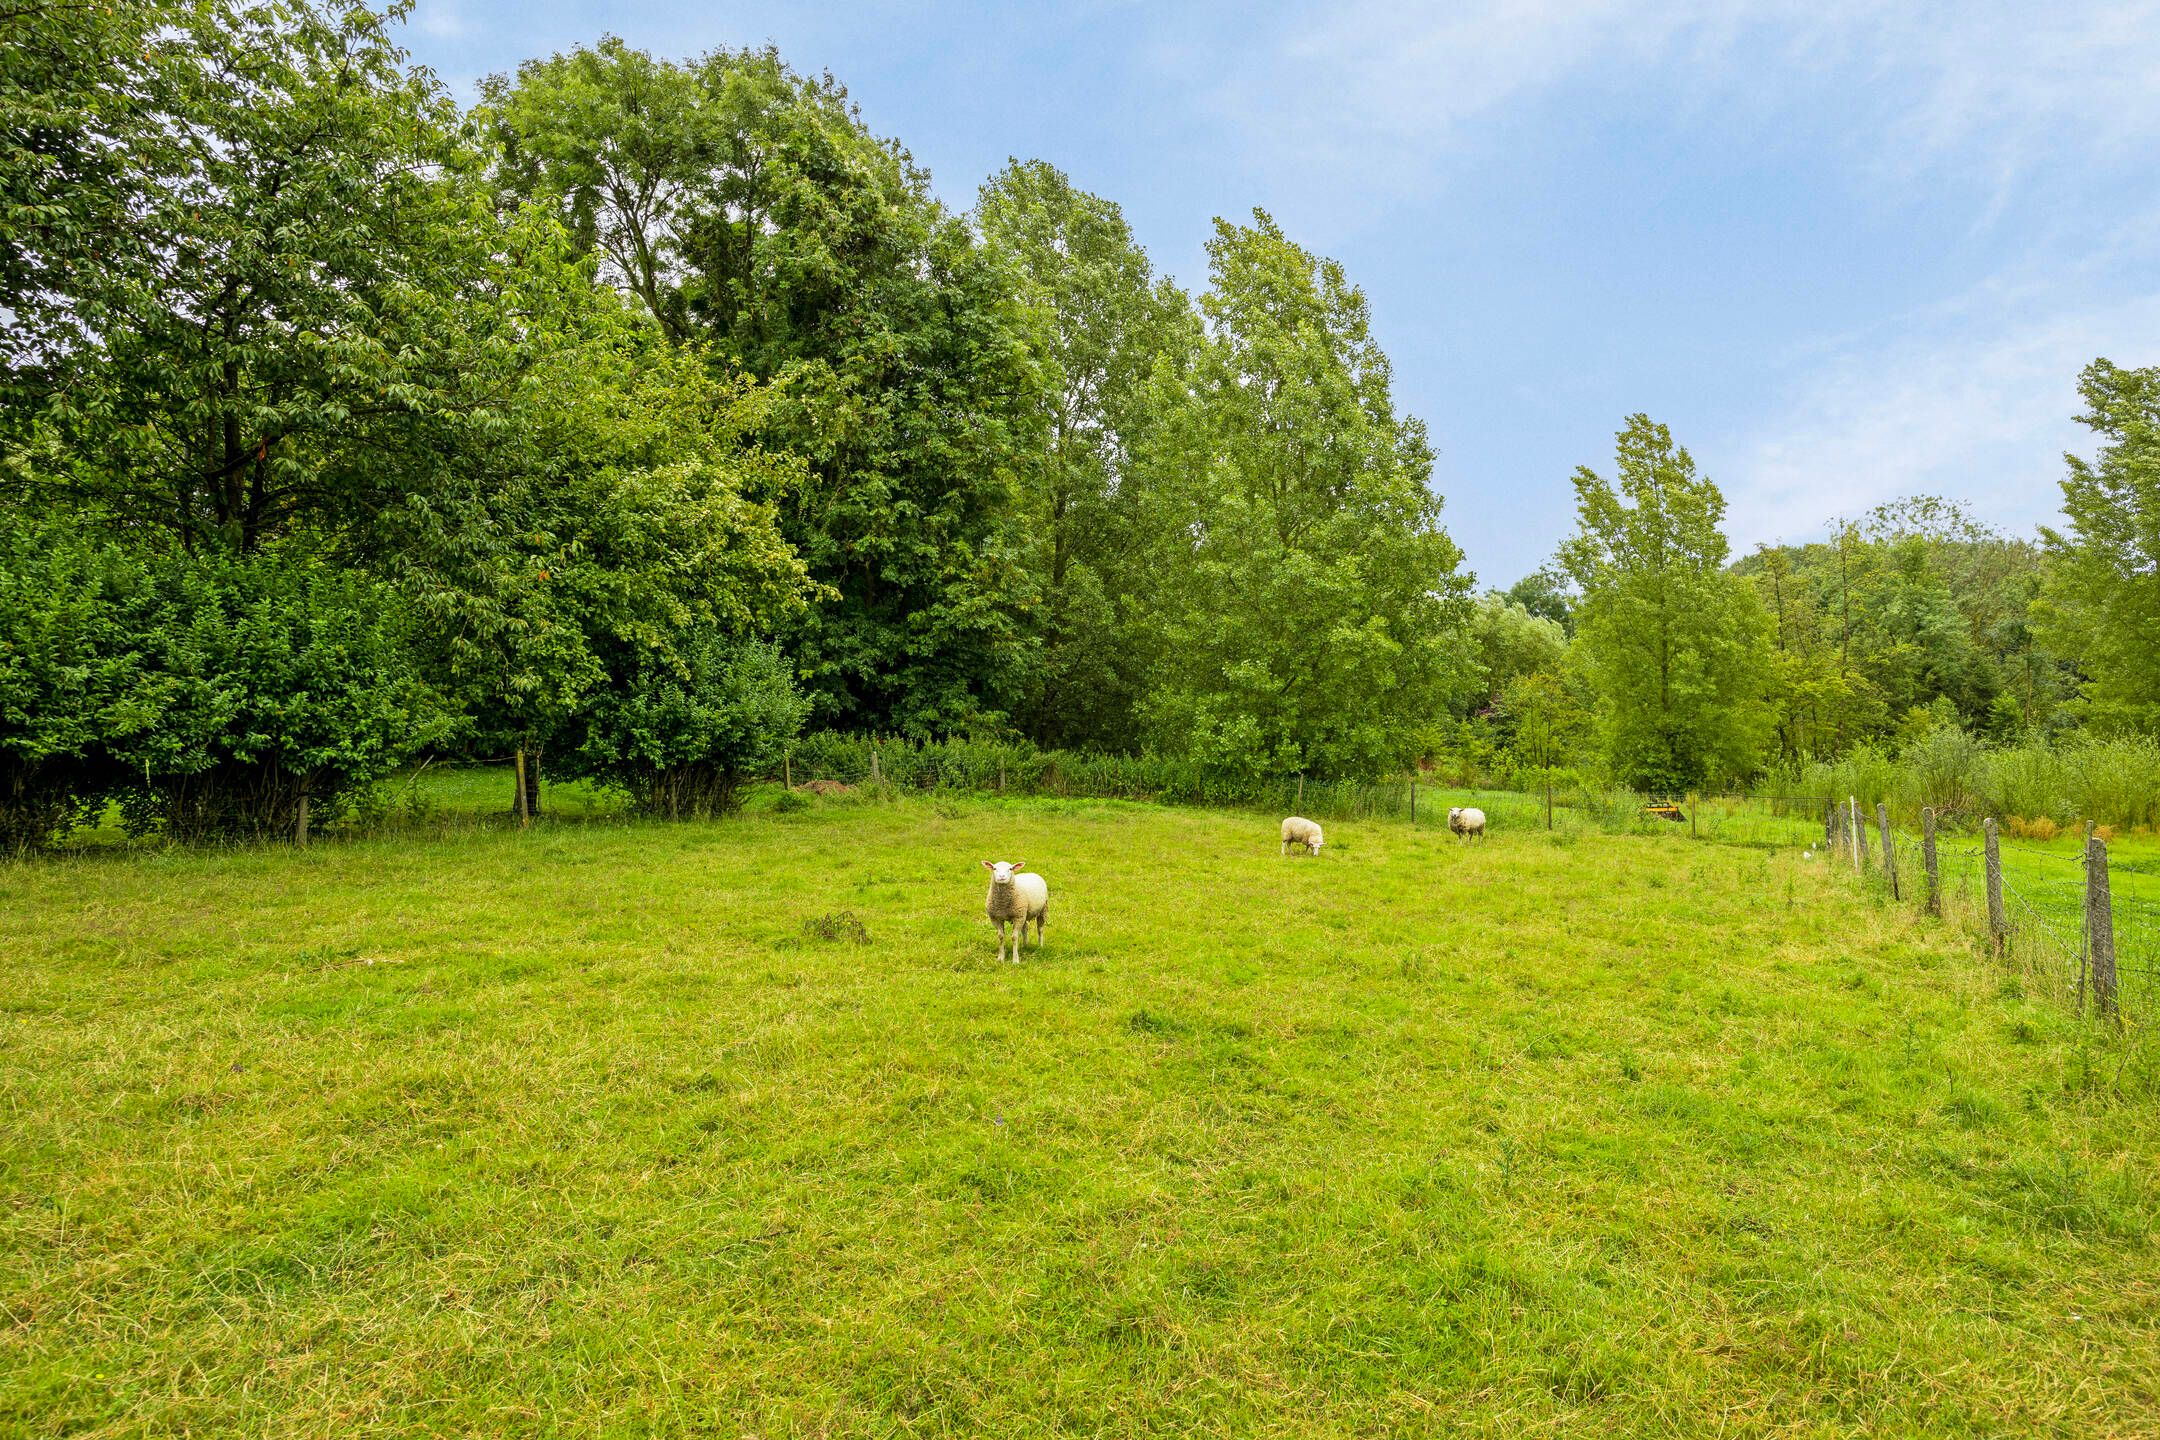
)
(2100, 928)
(1856, 831)
(300, 825)
(1927, 856)
(1889, 846)
(1998, 926)
(523, 817)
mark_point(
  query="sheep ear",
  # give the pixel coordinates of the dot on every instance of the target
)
(1019, 864)
(989, 865)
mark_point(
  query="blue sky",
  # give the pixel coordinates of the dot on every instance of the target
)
(1845, 251)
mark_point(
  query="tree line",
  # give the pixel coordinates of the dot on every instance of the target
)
(647, 413)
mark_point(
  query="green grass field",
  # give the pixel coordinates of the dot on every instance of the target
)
(594, 1129)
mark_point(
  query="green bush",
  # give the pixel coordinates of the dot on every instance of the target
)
(212, 696)
(270, 687)
(681, 733)
(67, 672)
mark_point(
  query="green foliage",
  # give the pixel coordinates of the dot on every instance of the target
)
(1307, 604)
(627, 507)
(311, 280)
(69, 675)
(1544, 593)
(2102, 603)
(680, 734)
(747, 209)
(2109, 780)
(1674, 642)
(1913, 605)
(276, 682)
(1512, 642)
(212, 695)
(1100, 319)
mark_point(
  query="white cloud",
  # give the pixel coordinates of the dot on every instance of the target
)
(1972, 412)
(1378, 88)
(441, 20)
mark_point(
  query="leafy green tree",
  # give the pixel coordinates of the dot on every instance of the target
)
(623, 510)
(748, 210)
(682, 731)
(1544, 593)
(80, 85)
(310, 285)
(214, 695)
(1545, 722)
(1100, 317)
(280, 689)
(1511, 642)
(1674, 641)
(2102, 598)
(1309, 606)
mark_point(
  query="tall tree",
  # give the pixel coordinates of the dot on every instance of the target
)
(749, 210)
(2102, 597)
(311, 281)
(1675, 642)
(1100, 319)
(1310, 607)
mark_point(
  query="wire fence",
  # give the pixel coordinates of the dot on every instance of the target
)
(2078, 926)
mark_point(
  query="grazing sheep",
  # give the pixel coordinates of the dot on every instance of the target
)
(1014, 900)
(1466, 820)
(1297, 830)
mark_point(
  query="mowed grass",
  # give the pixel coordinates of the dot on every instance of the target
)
(592, 1130)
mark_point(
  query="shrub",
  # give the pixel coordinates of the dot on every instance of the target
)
(66, 662)
(681, 732)
(269, 688)
(213, 696)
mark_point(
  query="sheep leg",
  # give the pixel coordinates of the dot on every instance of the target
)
(1001, 942)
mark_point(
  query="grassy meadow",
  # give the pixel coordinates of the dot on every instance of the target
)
(738, 1128)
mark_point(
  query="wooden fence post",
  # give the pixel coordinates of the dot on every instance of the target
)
(300, 825)
(2100, 926)
(1829, 823)
(1998, 926)
(1300, 793)
(523, 817)
(1413, 799)
(1927, 855)
(1889, 846)
(1858, 834)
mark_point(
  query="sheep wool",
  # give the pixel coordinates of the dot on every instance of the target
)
(1466, 820)
(1015, 898)
(1297, 830)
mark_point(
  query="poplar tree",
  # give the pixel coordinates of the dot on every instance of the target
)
(1675, 643)
(2101, 603)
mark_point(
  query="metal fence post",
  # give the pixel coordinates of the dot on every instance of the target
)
(2100, 922)
(1889, 849)
(1998, 927)
(1927, 855)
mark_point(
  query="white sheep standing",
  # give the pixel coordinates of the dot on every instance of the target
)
(1297, 830)
(1466, 820)
(1015, 899)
